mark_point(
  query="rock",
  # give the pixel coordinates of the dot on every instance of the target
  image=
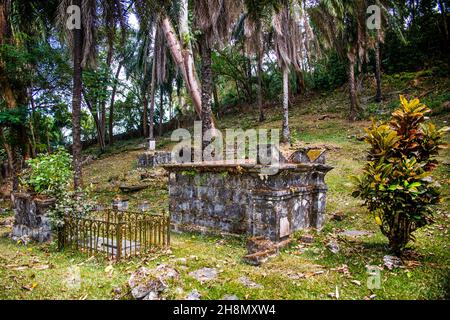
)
(307, 238)
(333, 246)
(165, 272)
(142, 282)
(194, 295)
(152, 296)
(148, 284)
(230, 297)
(205, 274)
(355, 233)
(392, 262)
(249, 283)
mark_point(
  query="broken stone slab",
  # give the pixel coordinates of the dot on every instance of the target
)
(204, 274)
(133, 188)
(355, 233)
(149, 284)
(144, 283)
(333, 246)
(230, 297)
(392, 262)
(260, 249)
(194, 295)
(249, 283)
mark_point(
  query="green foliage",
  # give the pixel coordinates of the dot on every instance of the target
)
(48, 174)
(396, 184)
(77, 204)
(12, 117)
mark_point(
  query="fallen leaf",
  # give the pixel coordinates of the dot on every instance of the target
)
(358, 283)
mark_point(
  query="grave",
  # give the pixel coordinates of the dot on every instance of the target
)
(31, 217)
(221, 197)
(152, 159)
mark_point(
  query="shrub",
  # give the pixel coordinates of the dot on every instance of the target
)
(396, 184)
(49, 173)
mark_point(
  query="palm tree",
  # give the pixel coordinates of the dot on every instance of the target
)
(287, 40)
(214, 21)
(82, 44)
(257, 12)
(342, 24)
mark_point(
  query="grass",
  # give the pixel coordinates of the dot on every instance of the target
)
(300, 271)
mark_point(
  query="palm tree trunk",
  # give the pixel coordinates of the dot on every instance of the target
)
(152, 100)
(378, 68)
(286, 134)
(161, 111)
(354, 105)
(145, 115)
(76, 104)
(206, 114)
(111, 106)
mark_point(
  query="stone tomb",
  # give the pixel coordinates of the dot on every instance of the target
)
(237, 199)
(152, 159)
(30, 217)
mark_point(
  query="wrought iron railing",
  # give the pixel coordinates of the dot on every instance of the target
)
(118, 234)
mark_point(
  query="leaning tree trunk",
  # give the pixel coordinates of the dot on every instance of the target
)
(285, 134)
(206, 71)
(177, 55)
(354, 105)
(76, 104)
(378, 68)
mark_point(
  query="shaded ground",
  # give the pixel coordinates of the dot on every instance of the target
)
(301, 271)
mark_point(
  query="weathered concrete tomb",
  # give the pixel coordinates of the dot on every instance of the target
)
(151, 159)
(31, 217)
(236, 198)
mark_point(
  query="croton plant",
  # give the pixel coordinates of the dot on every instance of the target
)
(396, 184)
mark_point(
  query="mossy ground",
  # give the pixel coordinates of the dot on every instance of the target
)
(300, 271)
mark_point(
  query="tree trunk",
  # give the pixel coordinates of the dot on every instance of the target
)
(177, 55)
(206, 117)
(111, 106)
(152, 99)
(145, 115)
(76, 104)
(354, 105)
(161, 111)
(300, 82)
(259, 89)
(97, 121)
(378, 68)
(285, 134)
